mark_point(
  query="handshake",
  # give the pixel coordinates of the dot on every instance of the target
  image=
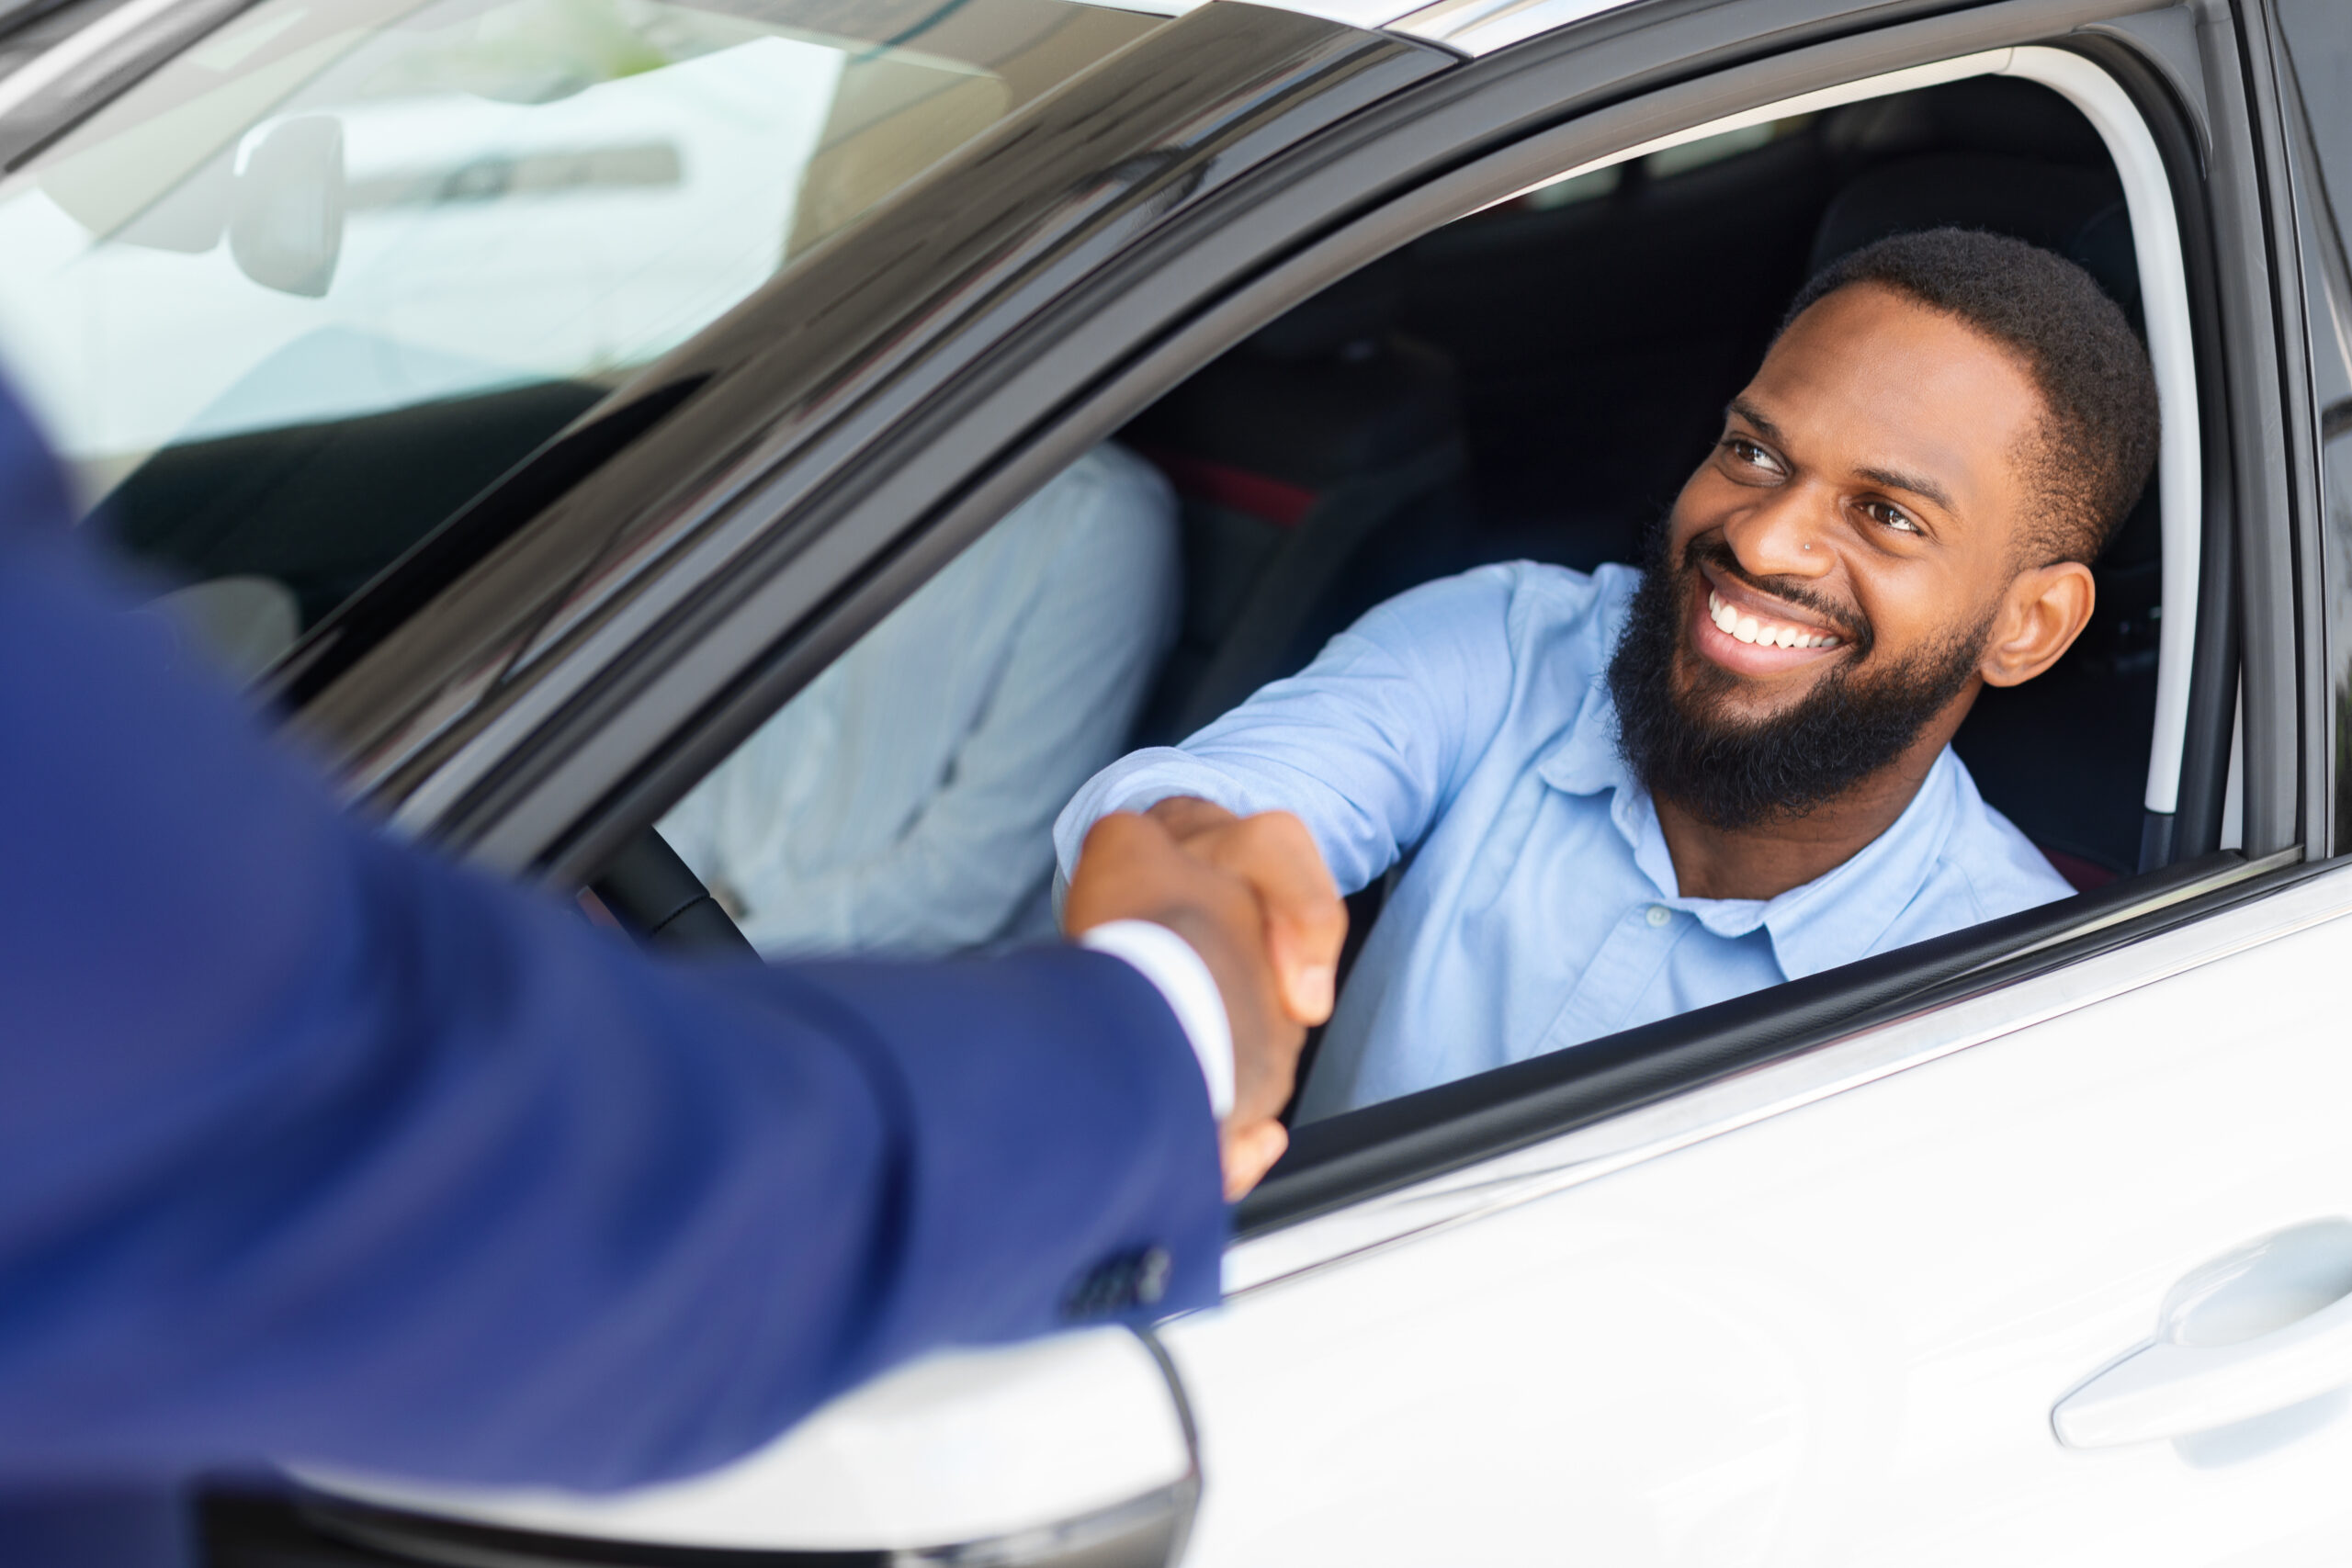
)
(1254, 897)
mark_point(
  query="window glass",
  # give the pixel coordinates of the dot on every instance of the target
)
(309, 287)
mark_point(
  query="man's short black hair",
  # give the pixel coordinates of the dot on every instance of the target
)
(2099, 440)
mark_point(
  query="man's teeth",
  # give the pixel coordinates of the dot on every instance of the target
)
(1747, 628)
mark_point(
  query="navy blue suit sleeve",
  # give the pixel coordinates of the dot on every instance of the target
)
(312, 1143)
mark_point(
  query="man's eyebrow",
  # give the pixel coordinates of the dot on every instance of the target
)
(1748, 412)
(1887, 478)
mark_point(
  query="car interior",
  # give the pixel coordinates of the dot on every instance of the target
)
(1536, 380)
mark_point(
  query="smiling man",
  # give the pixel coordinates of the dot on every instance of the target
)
(1626, 795)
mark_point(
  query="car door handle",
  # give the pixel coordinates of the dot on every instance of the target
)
(2172, 1389)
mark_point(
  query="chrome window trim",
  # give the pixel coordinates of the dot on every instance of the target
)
(1740, 1100)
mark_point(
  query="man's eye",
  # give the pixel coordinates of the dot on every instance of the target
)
(1750, 454)
(1887, 516)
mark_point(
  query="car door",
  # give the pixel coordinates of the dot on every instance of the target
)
(1824, 1312)
(2059, 1269)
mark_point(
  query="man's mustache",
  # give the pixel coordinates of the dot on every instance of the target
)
(1715, 551)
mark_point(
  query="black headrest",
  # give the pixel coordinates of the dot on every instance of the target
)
(1997, 115)
(2077, 212)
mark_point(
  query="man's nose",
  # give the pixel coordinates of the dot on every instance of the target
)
(1787, 534)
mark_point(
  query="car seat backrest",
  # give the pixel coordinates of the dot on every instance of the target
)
(1289, 455)
(2063, 757)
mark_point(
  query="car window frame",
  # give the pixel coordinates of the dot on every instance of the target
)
(1053, 390)
(1053, 370)
(2323, 232)
(1462, 1133)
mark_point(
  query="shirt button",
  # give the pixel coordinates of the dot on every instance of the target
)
(1660, 914)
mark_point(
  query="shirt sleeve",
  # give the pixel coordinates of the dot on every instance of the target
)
(1367, 745)
(313, 1145)
(1182, 978)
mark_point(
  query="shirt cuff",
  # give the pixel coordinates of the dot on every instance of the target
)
(1182, 976)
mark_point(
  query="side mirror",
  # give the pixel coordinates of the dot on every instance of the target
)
(286, 224)
(1068, 1452)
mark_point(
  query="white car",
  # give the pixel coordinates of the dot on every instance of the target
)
(537, 394)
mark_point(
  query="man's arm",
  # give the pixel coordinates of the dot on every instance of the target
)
(1329, 774)
(1365, 746)
(313, 1145)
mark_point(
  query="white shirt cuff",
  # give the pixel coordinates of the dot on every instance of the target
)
(1181, 975)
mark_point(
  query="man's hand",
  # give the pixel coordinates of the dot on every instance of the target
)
(1307, 922)
(1268, 926)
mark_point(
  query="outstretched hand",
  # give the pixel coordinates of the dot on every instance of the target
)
(1306, 921)
(1252, 896)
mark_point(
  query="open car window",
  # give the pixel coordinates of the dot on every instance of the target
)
(1522, 390)
(293, 299)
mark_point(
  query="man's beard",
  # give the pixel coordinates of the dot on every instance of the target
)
(1732, 775)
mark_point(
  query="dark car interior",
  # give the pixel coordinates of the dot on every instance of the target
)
(1536, 381)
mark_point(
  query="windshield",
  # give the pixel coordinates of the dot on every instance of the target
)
(321, 278)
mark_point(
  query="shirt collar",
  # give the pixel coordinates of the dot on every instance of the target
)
(1836, 917)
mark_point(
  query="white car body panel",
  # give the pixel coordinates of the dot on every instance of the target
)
(954, 1448)
(1834, 1334)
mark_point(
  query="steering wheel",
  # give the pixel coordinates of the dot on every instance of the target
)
(657, 896)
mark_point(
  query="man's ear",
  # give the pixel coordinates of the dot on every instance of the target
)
(2042, 614)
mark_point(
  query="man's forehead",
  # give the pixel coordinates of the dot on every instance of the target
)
(1867, 383)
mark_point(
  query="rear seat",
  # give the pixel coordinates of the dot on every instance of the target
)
(1290, 454)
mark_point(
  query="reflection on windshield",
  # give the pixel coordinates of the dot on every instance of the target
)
(326, 274)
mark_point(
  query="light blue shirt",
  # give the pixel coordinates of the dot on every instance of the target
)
(902, 802)
(1467, 724)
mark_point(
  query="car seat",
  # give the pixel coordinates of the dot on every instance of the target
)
(2065, 756)
(1324, 440)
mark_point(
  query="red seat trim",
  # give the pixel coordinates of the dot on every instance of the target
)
(1271, 500)
(2084, 875)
